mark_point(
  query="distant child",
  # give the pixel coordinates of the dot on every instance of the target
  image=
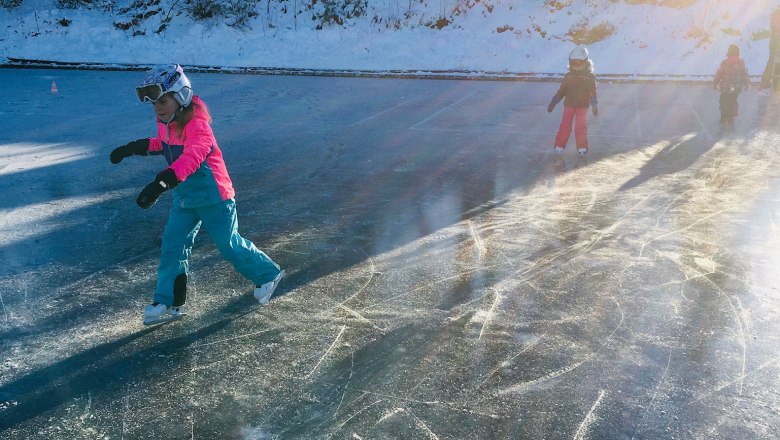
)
(578, 87)
(202, 194)
(730, 80)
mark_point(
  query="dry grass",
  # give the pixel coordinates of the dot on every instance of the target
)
(584, 33)
(667, 3)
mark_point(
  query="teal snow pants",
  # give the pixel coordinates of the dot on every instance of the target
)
(221, 223)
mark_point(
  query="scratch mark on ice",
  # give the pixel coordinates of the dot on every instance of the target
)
(338, 428)
(230, 339)
(477, 241)
(766, 364)
(680, 230)
(526, 348)
(696, 115)
(449, 406)
(361, 317)
(346, 387)
(622, 318)
(424, 427)
(389, 414)
(374, 271)
(589, 419)
(688, 278)
(613, 226)
(427, 286)
(5, 312)
(531, 383)
(343, 327)
(368, 118)
(555, 374)
(490, 314)
(442, 110)
(655, 394)
(125, 410)
(402, 399)
(741, 332)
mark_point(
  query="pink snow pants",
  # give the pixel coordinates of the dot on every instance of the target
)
(580, 114)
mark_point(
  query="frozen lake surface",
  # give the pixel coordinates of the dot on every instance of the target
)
(449, 277)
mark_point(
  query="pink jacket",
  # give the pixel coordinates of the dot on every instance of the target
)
(196, 159)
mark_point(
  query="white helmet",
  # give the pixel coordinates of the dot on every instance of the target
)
(169, 78)
(579, 53)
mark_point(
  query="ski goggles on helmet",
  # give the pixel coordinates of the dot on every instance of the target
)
(149, 92)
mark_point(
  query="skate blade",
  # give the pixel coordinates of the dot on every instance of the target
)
(163, 319)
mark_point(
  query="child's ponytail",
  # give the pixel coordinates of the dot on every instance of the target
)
(185, 115)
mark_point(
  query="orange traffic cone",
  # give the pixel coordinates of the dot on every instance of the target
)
(54, 89)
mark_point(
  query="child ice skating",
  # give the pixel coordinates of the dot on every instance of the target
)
(202, 194)
(578, 90)
(731, 79)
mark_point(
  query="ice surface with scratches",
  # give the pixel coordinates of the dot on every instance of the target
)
(449, 276)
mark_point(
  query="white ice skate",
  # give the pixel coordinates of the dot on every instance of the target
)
(582, 151)
(156, 313)
(263, 292)
(558, 149)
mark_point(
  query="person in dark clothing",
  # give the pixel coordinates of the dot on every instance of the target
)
(731, 79)
(578, 90)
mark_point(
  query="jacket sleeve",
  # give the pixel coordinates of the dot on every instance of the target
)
(554, 101)
(718, 76)
(198, 142)
(561, 93)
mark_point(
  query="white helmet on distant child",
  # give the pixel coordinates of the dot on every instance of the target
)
(169, 78)
(579, 53)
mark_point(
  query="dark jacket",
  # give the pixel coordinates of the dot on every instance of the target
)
(577, 89)
(732, 75)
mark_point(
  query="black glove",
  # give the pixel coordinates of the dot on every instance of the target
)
(138, 147)
(163, 182)
(555, 100)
